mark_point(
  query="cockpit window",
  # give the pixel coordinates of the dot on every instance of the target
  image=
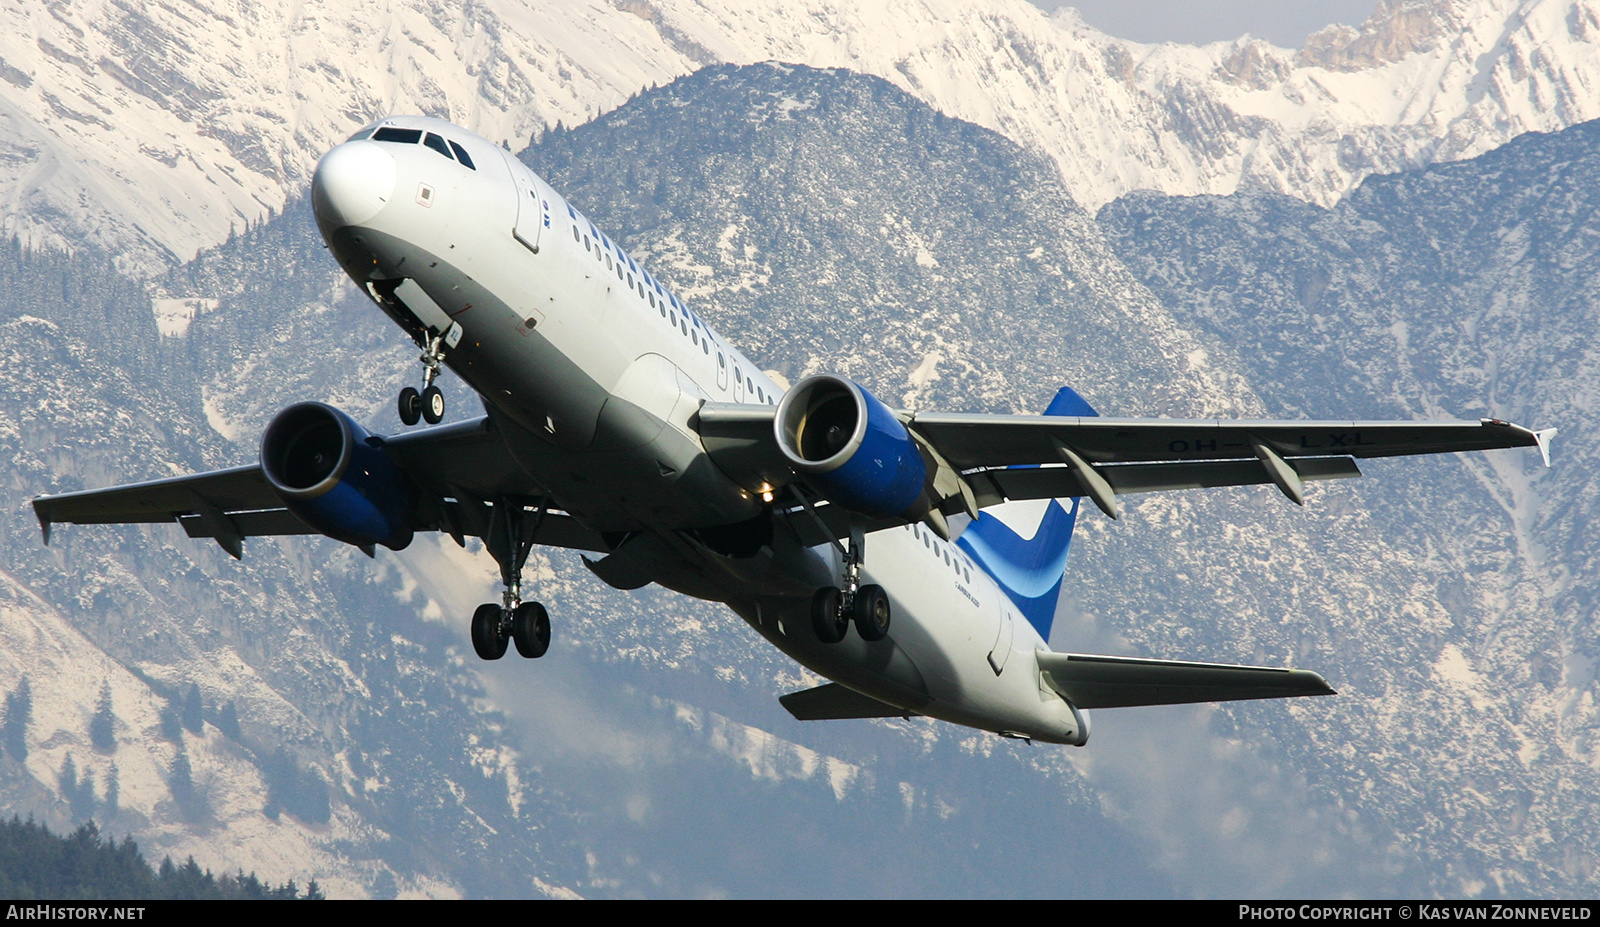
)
(402, 136)
(461, 154)
(359, 135)
(437, 144)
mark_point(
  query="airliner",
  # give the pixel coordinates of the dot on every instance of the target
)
(914, 559)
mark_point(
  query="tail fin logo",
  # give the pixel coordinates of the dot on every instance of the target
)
(1024, 545)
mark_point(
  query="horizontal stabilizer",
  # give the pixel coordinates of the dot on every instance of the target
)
(1091, 681)
(834, 702)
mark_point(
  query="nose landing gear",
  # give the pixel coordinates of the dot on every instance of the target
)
(509, 536)
(429, 404)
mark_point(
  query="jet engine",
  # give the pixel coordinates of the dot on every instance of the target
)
(854, 450)
(333, 474)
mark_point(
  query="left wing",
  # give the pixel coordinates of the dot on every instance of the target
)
(458, 472)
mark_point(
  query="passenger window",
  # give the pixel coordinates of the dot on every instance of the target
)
(461, 155)
(586, 243)
(574, 233)
(437, 144)
(400, 136)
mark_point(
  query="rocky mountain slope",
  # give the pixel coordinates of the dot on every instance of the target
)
(156, 131)
(1467, 290)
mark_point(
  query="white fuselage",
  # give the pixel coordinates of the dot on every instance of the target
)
(593, 372)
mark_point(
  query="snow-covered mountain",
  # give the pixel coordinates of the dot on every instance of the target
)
(646, 755)
(157, 130)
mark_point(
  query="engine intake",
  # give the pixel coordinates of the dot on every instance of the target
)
(853, 449)
(330, 474)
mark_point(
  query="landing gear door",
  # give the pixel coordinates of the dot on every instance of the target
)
(533, 207)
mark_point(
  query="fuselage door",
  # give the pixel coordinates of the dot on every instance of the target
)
(533, 209)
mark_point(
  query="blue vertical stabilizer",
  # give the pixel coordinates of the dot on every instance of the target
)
(1029, 564)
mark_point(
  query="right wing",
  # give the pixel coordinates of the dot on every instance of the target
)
(1014, 457)
(460, 471)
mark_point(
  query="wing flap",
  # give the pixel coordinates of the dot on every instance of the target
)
(994, 486)
(833, 702)
(269, 523)
(1094, 681)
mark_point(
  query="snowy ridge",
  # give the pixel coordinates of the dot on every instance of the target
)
(160, 131)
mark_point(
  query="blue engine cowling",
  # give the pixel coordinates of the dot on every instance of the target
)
(331, 474)
(854, 450)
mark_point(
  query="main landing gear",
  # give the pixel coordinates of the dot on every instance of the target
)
(833, 608)
(428, 404)
(509, 537)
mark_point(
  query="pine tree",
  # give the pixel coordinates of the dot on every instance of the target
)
(113, 792)
(194, 710)
(78, 791)
(18, 715)
(103, 726)
(171, 727)
(180, 781)
(228, 722)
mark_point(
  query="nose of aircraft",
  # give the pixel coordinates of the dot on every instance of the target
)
(352, 184)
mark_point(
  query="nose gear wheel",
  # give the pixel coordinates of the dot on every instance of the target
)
(428, 404)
